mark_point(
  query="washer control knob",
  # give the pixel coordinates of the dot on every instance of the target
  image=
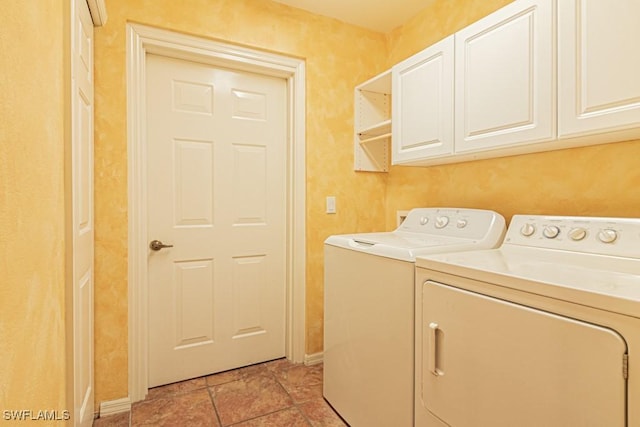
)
(424, 220)
(528, 229)
(607, 235)
(577, 234)
(442, 221)
(551, 232)
(461, 223)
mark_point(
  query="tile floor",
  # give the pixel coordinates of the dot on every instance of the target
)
(271, 394)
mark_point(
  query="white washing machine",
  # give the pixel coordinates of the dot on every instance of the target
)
(368, 309)
(543, 331)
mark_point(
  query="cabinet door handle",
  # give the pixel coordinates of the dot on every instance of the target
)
(433, 349)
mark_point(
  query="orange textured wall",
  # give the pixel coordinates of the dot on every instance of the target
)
(338, 57)
(32, 146)
(599, 180)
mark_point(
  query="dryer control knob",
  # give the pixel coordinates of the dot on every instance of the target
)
(528, 229)
(577, 234)
(442, 221)
(607, 235)
(551, 232)
(462, 223)
(424, 220)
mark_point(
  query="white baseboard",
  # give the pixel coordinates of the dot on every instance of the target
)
(313, 359)
(111, 407)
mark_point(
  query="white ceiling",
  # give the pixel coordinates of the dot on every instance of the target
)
(378, 15)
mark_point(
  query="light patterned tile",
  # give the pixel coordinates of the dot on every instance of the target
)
(304, 393)
(117, 420)
(260, 395)
(288, 417)
(187, 409)
(176, 388)
(257, 369)
(278, 365)
(223, 377)
(320, 414)
(237, 374)
(300, 375)
(249, 398)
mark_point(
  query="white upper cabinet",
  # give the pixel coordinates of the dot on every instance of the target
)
(505, 78)
(598, 66)
(423, 104)
(535, 75)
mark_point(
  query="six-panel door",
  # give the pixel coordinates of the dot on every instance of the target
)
(216, 193)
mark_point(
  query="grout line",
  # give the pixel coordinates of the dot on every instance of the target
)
(213, 403)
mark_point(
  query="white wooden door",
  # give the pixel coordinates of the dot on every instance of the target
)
(81, 221)
(505, 77)
(488, 362)
(599, 65)
(216, 192)
(423, 104)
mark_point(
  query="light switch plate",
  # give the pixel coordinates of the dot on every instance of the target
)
(331, 204)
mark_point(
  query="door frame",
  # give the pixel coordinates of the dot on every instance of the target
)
(142, 40)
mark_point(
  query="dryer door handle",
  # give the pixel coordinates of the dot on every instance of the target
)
(432, 357)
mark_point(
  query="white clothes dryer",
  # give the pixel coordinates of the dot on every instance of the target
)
(369, 309)
(543, 331)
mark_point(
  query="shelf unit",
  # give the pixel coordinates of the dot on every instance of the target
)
(372, 122)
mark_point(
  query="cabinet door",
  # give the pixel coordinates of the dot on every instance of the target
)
(505, 78)
(599, 65)
(509, 365)
(422, 106)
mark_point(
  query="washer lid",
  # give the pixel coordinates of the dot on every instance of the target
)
(604, 282)
(399, 245)
(430, 230)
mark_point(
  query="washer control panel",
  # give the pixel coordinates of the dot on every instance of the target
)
(606, 236)
(474, 224)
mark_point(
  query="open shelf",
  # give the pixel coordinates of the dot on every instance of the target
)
(372, 139)
(375, 130)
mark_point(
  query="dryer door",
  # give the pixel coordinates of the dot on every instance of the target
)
(488, 362)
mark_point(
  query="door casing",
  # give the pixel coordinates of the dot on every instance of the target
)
(140, 41)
